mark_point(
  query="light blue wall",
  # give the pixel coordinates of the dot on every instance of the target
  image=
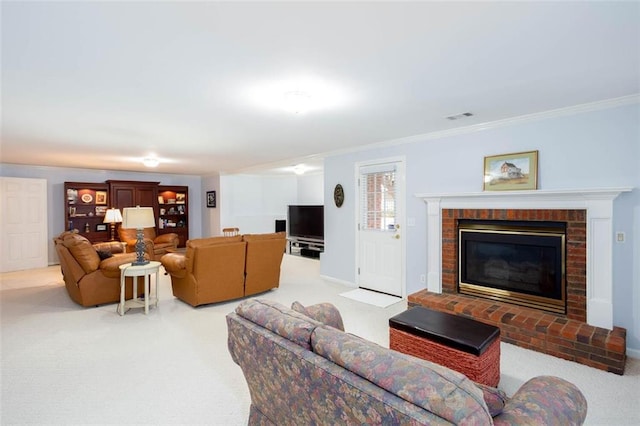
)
(57, 176)
(211, 215)
(596, 149)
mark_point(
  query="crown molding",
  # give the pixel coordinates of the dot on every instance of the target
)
(544, 115)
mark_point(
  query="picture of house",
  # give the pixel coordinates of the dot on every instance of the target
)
(510, 171)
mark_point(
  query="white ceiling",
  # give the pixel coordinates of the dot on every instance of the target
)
(104, 84)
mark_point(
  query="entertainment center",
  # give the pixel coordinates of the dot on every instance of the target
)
(306, 230)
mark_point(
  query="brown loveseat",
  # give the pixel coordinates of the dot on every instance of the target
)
(90, 280)
(217, 269)
(158, 244)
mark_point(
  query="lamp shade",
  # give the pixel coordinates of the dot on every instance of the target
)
(137, 217)
(112, 216)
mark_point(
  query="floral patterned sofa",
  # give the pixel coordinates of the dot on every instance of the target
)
(301, 368)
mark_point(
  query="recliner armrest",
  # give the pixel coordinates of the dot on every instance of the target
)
(149, 246)
(167, 238)
(113, 247)
(175, 264)
(110, 267)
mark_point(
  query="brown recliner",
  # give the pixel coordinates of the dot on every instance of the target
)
(211, 270)
(217, 269)
(157, 245)
(264, 257)
(90, 280)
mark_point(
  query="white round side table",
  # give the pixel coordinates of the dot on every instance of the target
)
(129, 270)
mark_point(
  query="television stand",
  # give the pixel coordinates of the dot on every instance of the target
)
(306, 247)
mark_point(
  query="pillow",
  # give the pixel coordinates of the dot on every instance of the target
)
(103, 254)
(494, 398)
(325, 313)
(279, 319)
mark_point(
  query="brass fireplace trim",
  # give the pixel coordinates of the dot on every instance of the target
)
(529, 300)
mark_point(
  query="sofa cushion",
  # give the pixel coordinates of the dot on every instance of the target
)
(325, 313)
(437, 389)
(82, 251)
(279, 319)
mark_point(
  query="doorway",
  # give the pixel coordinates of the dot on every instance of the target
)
(380, 226)
(23, 223)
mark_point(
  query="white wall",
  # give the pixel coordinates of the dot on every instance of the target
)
(57, 176)
(595, 149)
(254, 202)
(311, 189)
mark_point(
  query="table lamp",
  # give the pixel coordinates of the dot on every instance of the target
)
(138, 218)
(113, 216)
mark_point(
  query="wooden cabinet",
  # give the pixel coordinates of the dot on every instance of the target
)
(85, 207)
(173, 211)
(86, 204)
(129, 193)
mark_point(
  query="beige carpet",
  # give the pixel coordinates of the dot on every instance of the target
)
(64, 364)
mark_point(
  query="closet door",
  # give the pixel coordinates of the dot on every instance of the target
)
(23, 224)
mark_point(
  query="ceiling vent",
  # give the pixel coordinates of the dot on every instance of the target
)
(459, 116)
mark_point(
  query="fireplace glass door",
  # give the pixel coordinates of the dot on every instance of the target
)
(518, 263)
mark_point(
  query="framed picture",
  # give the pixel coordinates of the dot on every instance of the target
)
(180, 198)
(160, 199)
(101, 227)
(511, 172)
(101, 210)
(211, 198)
(101, 197)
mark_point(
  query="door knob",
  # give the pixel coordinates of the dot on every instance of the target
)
(397, 237)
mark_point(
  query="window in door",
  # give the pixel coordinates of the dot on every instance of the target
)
(378, 198)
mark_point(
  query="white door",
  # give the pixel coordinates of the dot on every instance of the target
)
(380, 242)
(23, 223)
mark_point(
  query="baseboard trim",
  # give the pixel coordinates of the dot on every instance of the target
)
(633, 353)
(339, 281)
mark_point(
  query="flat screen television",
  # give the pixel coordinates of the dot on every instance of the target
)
(306, 222)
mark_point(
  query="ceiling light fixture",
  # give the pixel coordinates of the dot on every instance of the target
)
(297, 102)
(299, 169)
(151, 162)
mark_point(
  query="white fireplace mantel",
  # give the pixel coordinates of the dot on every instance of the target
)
(599, 206)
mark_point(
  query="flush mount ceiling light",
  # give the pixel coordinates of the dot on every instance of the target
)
(150, 162)
(299, 169)
(296, 102)
(297, 95)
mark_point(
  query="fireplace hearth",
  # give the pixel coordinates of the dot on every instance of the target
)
(585, 333)
(513, 261)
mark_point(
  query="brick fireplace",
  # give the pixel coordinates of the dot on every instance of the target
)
(585, 334)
